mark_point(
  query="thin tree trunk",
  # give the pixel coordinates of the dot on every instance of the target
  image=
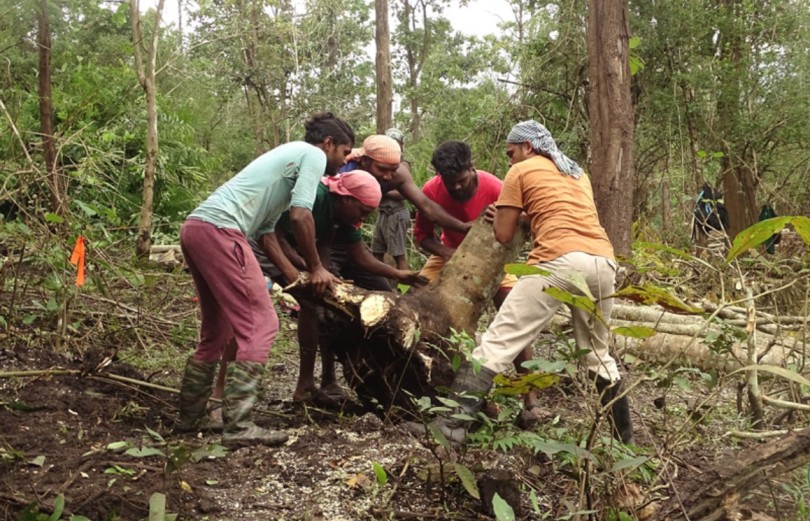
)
(57, 194)
(146, 77)
(611, 111)
(385, 94)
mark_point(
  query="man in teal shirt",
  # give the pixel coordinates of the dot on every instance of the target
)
(233, 297)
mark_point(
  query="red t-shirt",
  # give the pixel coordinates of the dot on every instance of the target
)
(489, 189)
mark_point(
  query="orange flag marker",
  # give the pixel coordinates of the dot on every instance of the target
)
(77, 259)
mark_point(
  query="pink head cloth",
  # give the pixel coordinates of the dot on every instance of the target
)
(358, 184)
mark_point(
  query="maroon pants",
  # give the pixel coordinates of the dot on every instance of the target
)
(232, 291)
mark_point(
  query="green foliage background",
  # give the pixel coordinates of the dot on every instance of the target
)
(242, 77)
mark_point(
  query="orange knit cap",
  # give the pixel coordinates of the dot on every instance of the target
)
(379, 148)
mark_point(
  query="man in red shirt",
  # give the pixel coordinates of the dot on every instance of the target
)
(465, 193)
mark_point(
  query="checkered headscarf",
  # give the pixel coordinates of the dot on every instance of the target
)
(541, 141)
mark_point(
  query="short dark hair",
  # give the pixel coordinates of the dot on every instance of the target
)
(451, 158)
(323, 125)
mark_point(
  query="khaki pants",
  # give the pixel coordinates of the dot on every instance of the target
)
(528, 309)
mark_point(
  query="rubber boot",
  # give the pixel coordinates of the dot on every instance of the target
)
(241, 387)
(468, 389)
(620, 421)
(195, 389)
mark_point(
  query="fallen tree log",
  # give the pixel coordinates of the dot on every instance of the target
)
(688, 340)
(393, 346)
(715, 494)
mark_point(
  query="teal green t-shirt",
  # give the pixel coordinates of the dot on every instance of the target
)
(253, 200)
(324, 221)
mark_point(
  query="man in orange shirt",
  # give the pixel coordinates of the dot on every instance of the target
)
(571, 246)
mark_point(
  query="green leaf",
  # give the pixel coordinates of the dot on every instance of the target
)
(467, 479)
(524, 383)
(654, 295)
(117, 445)
(545, 366)
(38, 461)
(535, 501)
(157, 507)
(524, 269)
(779, 371)
(144, 452)
(635, 331)
(654, 246)
(212, 451)
(382, 476)
(447, 401)
(634, 42)
(156, 436)
(79, 518)
(629, 463)
(53, 218)
(802, 226)
(578, 280)
(58, 508)
(755, 235)
(438, 435)
(503, 512)
(90, 212)
(577, 301)
(552, 447)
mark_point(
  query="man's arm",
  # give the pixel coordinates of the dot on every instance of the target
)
(363, 259)
(507, 219)
(304, 231)
(432, 245)
(275, 252)
(430, 208)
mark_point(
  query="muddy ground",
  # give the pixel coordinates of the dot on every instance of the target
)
(104, 443)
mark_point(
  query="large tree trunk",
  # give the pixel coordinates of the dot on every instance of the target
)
(390, 344)
(739, 181)
(57, 195)
(611, 111)
(385, 93)
(713, 494)
(147, 80)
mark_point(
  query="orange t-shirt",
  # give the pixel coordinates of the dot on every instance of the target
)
(561, 208)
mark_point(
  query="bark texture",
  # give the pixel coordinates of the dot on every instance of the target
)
(57, 195)
(713, 495)
(385, 95)
(146, 77)
(611, 113)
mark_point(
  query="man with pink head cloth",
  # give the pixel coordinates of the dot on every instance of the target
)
(341, 205)
(340, 208)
